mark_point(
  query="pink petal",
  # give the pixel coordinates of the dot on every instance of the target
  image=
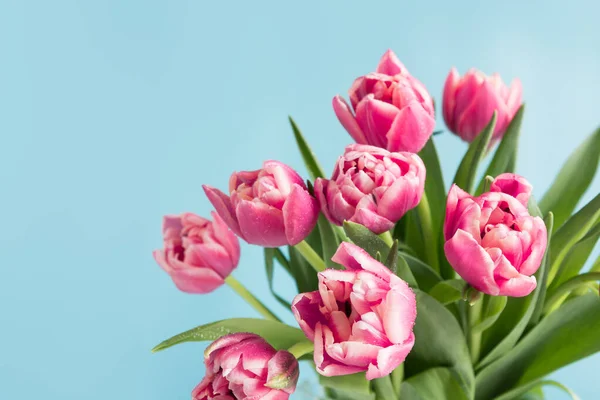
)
(324, 363)
(538, 247)
(514, 185)
(373, 221)
(285, 176)
(196, 280)
(471, 262)
(404, 194)
(398, 312)
(306, 309)
(375, 118)
(389, 64)
(261, 224)
(449, 100)
(520, 286)
(390, 358)
(480, 111)
(411, 129)
(455, 196)
(300, 213)
(346, 118)
(355, 258)
(226, 238)
(513, 102)
(224, 208)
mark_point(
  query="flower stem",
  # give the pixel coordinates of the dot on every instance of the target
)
(387, 238)
(340, 233)
(311, 256)
(397, 376)
(474, 338)
(424, 220)
(302, 348)
(558, 295)
(250, 298)
(384, 390)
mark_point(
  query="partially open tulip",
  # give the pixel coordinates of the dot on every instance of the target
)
(198, 254)
(371, 186)
(470, 101)
(360, 319)
(491, 240)
(243, 366)
(270, 207)
(392, 109)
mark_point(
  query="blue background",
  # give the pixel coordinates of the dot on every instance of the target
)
(113, 113)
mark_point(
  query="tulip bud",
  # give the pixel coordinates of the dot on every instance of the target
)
(372, 187)
(492, 241)
(198, 254)
(245, 366)
(469, 103)
(270, 207)
(392, 109)
(360, 319)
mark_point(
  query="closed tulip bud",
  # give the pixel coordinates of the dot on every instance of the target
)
(244, 366)
(270, 207)
(392, 109)
(371, 186)
(492, 241)
(198, 254)
(360, 319)
(470, 101)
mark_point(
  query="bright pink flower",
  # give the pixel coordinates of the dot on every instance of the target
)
(470, 101)
(360, 319)
(392, 109)
(198, 254)
(270, 207)
(491, 241)
(372, 187)
(243, 366)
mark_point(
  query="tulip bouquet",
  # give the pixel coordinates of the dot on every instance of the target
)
(406, 290)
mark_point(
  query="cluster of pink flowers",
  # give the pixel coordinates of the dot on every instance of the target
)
(360, 318)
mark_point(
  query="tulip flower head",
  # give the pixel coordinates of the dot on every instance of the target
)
(392, 109)
(270, 207)
(198, 254)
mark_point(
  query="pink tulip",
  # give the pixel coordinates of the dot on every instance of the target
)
(372, 187)
(243, 366)
(270, 207)
(360, 319)
(393, 110)
(198, 254)
(470, 102)
(491, 240)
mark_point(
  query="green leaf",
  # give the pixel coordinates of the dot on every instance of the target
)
(542, 276)
(506, 153)
(517, 315)
(569, 334)
(303, 273)
(434, 184)
(492, 307)
(312, 165)
(449, 291)
(363, 237)
(573, 180)
(329, 241)
(576, 257)
(425, 276)
(384, 390)
(277, 334)
(349, 387)
(434, 383)
(439, 342)
(392, 259)
(404, 272)
(571, 232)
(535, 388)
(467, 170)
(269, 267)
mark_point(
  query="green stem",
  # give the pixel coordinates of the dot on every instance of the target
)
(340, 233)
(558, 295)
(250, 298)
(384, 390)
(474, 338)
(302, 348)
(397, 376)
(311, 256)
(387, 238)
(430, 240)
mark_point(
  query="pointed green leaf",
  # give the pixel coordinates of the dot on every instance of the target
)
(349, 387)
(530, 387)
(492, 307)
(467, 170)
(573, 230)
(542, 276)
(569, 334)
(449, 291)
(363, 237)
(312, 165)
(424, 275)
(434, 383)
(404, 272)
(573, 180)
(434, 184)
(392, 259)
(435, 347)
(279, 335)
(506, 153)
(329, 241)
(269, 267)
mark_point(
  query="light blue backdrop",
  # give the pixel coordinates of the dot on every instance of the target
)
(113, 113)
